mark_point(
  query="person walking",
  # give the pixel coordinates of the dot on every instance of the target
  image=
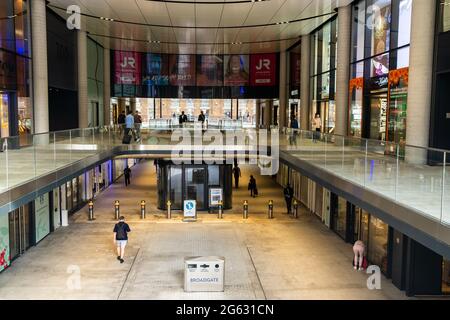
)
(121, 121)
(288, 196)
(317, 127)
(237, 174)
(294, 127)
(359, 250)
(252, 187)
(137, 125)
(129, 126)
(182, 119)
(127, 175)
(121, 230)
(201, 117)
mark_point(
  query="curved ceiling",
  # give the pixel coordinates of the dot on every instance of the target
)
(202, 26)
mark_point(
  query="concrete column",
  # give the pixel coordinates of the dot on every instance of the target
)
(283, 91)
(268, 113)
(343, 69)
(420, 78)
(40, 69)
(106, 87)
(258, 113)
(82, 80)
(305, 83)
(133, 105)
(122, 105)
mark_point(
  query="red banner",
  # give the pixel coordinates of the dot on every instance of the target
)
(263, 69)
(127, 68)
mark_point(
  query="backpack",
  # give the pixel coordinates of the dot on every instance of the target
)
(121, 233)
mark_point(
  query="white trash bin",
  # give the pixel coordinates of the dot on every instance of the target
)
(204, 274)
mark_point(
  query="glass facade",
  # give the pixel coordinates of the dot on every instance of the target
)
(381, 31)
(323, 74)
(95, 83)
(445, 16)
(15, 91)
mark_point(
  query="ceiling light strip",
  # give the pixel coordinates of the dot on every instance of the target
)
(191, 43)
(200, 27)
(208, 2)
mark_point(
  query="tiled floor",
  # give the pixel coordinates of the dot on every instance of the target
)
(283, 258)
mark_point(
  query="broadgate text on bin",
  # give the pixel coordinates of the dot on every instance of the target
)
(204, 274)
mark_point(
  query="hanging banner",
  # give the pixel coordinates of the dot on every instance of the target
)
(295, 64)
(209, 70)
(236, 70)
(156, 69)
(182, 69)
(263, 69)
(127, 67)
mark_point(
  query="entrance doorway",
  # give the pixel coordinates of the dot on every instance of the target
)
(378, 116)
(19, 231)
(4, 114)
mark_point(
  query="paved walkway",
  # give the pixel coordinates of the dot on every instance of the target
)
(281, 258)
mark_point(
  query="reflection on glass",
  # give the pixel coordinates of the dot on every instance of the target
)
(446, 277)
(175, 187)
(213, 175)
(340, 219)
(377, 249)
(194, 185)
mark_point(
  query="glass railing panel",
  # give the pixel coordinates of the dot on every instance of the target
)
(3, 164)
(354, 159)
(420, 181)
(380, 167)
(44, 153)
(21, 165)
(63, 148)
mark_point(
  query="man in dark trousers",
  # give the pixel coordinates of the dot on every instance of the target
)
(183, 118)
(288, 196)
(121, 121)
(237, 174)
(127, 174)
(121, 230)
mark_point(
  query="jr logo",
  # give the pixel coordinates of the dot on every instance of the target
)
(263, 63)
(128, 61)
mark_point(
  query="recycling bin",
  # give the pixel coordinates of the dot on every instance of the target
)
(204, 274)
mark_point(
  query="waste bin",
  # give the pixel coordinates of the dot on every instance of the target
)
(64, 218)
(204, 274)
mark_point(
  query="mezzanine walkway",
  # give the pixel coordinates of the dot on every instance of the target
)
(281, 258)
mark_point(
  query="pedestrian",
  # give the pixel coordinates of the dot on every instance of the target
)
(182, 119)
(121, 121)
(252, 187)
(121, 230)
(201, 118)
(294, 127)
(137, 125)
(359, 249)
(237, 174)
(127, 175)
(317, 127)
(129, 126)
(288, 196)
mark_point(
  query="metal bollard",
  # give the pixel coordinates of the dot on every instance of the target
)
(169, 210)
(91, 211)
(220, 214)
(270, 216)
(117, 209)
(295, 209)
(143, 209)
(245, 214)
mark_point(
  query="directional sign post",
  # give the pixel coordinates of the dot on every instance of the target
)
(190, 210)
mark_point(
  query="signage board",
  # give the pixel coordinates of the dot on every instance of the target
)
(263, 69)
(190, 209)
(215, 197)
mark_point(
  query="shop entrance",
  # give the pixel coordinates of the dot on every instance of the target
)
(19, 231)
(327, 114)
(5, 100)
(378, 115)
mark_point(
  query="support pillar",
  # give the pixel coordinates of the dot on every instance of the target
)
(268, 107)
(40, 69)
(133, 105)
(82, 80)
(343, 69)
(305, 83)
(420, 79)
(282, 121)
(258, 114)
(106, 87)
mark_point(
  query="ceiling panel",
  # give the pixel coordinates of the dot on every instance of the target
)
(189, 15)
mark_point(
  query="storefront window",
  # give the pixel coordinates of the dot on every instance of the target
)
(340, 217)
(446, 277)
(378, 242)
(358, 30)
(378, 24)
(445, 14)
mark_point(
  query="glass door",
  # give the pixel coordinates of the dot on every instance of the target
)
(194, 179)
(19, 231)
(4, 114)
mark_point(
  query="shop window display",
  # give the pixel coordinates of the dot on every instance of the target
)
(378, 243)
(445, 15)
